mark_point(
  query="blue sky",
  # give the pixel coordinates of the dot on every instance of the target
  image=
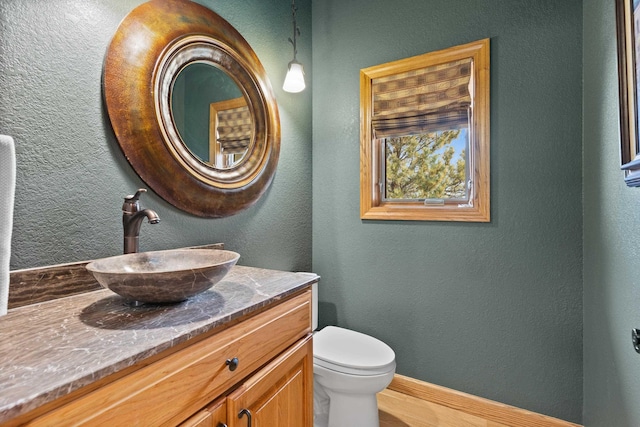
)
(461, 141)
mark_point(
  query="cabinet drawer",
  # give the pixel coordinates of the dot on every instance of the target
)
(168, 391)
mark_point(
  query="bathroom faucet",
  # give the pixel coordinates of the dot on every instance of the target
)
(132, 217)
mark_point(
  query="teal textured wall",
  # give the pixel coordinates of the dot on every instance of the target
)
(611, 217)
(72, 176)
(490, 309)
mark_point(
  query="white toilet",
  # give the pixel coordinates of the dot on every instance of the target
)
(349, 368)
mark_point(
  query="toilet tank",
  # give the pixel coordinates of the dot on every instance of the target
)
(314, 306)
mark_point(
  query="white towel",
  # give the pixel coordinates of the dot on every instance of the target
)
(7, 192)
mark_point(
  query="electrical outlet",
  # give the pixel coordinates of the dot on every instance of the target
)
(635, 339)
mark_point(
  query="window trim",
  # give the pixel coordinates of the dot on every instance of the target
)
(372, 207)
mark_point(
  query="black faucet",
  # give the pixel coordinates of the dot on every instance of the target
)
(132, 217)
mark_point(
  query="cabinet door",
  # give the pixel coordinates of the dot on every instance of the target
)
(214, 415)
(280, 394)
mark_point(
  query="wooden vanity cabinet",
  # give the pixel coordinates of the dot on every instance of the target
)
(199, 385)
(280, 395)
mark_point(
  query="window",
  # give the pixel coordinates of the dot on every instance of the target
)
(425, 137)
(427, 167)
(230, 132)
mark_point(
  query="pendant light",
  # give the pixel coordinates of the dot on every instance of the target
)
(294, 81)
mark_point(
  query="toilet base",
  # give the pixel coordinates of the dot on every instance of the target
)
(350, 403)
(353, 410)
(320, 406)
(334, 409)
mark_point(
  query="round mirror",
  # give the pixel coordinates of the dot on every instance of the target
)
(192, 108)
(211, 115)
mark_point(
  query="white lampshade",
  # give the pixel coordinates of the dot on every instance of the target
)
(294, 81)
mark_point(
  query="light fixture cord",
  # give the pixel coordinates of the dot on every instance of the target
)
(296, 30)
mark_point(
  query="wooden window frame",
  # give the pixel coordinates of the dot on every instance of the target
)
(215, 148)
(372, 207)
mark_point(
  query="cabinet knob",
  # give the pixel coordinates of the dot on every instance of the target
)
(222, 425)
(232, 363)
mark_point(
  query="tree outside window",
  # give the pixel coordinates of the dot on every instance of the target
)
(426, 166)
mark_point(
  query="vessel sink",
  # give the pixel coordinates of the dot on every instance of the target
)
(163, 276)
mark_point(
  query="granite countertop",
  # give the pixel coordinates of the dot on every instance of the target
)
(50, 349)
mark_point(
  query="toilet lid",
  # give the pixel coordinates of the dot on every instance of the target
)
(351, 352)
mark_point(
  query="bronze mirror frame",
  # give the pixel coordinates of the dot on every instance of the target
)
(153, 43)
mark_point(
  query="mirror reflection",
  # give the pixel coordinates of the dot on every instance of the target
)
(211, 115)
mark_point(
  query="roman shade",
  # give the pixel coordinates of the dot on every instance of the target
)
(235, 129)
(424, 100)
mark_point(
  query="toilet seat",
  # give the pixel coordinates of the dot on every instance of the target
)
(351, 352)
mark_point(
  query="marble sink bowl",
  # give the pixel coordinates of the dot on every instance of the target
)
(163, 276)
